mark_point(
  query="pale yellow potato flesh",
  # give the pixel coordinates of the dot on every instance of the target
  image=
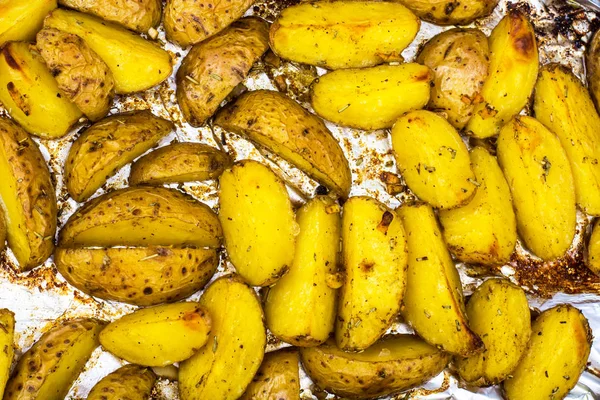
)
(20, 20)
(277, 378)
(130, 382)
(7, 345)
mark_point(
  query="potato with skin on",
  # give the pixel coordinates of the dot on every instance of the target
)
(130, 382)
(512, 74)
(371, 98)
(301, 307)
(7, 345)
(433, 159)
(434, 301)
(539, 176)
(20, 20)
(31, 94)
(592, 259)
(449, 12)
(48, 369)
(592, 68)
(459, 59)
(225, 367)
(277, 378)
(273, 120)
(556, 357)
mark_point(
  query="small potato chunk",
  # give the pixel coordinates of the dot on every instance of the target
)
(48, 369)
(31, 95)
(7, 344)
(27, 198)
(142, 276)
(107, 146)
(136, 64)
(371, 98)
(433, 160)
(343, 34)
(564, 106)
(130, 382)
(20, 20)
(394, 364)
(539, 176)
(484, 231)
(513, 72)
(226, 365)
(374, 257)
(498, 312)
(593, 250)
(459, 59)
(301, 307)
(278, 377)
(143, 216)
(190, 21)
(555, 358)
(81, 75)
(158, 336)
(450, 12)
(434, 302)
(213, 68)
(272, 120)
(258, 222)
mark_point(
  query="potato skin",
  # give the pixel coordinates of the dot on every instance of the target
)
(592, 68)
(7, 344)
(555, 358)
(20, 20)
(449, 12)
(393, 364)
(278, 377)
(592, 259)
(130, 382)
(459, 59)
(539, 176)
(2, 231)
(280, 124)
(28, 198)
(213, 68)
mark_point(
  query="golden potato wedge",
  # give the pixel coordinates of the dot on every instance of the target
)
(433, 159)
(7, 344)
(459, 59)
(258, 222)
(555, 358)
(278, 377)
(343, 34)
(130, 382)
(31, 95)
(107, 146)
(301, 307)
(278, 123)
(512, 74)
(539, 176)
(226, 365)
(213, 68)
(374, 257)
(371, 98)
(20, 20)
(433, 302)
(593, 249)
(391, 365)
(564, 106)
(2, 232)
(592, 68)
(450, 12)
(136, 64)
(142, 276)
(498, 312)
(27, 197)
(484, 231)
(143, 216)
(47, 370)
(190, 22)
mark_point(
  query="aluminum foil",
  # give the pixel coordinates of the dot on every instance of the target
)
(41, 297)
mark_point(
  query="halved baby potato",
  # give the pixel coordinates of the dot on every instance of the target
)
(278, 377)
(130, 382)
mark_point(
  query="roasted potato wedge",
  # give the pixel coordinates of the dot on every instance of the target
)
(213, 68)
(433, 159)
(31, 95)
(564, 106)
(301, 307)
(512, 74)
(27, 197)
(143, 216)
(484, 231)
(47, 370)
(393, 364)
(277, 378)
(107, 146)
(555, 358)
(2, 231)
(593, 249)
(20, 20)
(7, 344)
(278, 123)
(592, 68)
(190, 22)
(142, 276)
(459, 59)
(343, 34)
(226, 365)
(371, 98)
(130, 382)
(433, 302)
(449, 12)
(136, 64)
(498, 312)
(539, 176)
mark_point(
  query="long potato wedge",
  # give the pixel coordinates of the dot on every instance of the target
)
(130, 382)
(20, 20)
(7, 345)
(277, 378)
(2, 232)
